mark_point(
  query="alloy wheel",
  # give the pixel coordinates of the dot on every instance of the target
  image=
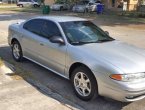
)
(82, 84)
(16, 51)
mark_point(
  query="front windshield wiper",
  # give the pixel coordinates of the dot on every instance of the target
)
(82, 43)
(98, 41)
(106, 40)
(78, 43)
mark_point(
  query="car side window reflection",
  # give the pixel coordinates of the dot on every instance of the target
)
(50, 29)
(34, 26)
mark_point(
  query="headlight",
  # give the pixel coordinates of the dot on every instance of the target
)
(128, 77)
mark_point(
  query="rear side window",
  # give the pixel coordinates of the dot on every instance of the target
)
(34, 26)
(50, 29)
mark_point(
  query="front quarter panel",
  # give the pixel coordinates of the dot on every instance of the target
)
(100, 68)
(94, 62)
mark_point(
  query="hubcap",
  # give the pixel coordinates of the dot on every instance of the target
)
(82, 84)
(16, 51)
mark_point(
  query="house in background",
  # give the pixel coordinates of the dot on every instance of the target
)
(111, 4)
(114, 4)
(49, 2)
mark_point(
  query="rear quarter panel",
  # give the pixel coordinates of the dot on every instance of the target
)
(14, 31)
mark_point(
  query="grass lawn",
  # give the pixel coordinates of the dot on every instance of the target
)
(1, 62)
(111, 17)
(24, 9)
(28, 9)
(7, 5)
(126, 19)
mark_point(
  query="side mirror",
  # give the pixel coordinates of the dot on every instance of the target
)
(107, 32)
(56, 39)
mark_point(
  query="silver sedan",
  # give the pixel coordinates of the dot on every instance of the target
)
(60, 6)
(78, 50)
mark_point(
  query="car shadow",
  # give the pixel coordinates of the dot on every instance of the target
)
(57, 85)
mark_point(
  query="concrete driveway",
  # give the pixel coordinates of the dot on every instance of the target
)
(61, 86)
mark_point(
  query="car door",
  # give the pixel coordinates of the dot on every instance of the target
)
(90, 7)
(29, 2)
(52, 54)
(25, 2)
(65, 6)
(31, 39)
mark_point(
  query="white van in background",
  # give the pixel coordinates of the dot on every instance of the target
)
(22, 3)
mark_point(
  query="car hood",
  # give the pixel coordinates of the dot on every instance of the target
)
(128, 58)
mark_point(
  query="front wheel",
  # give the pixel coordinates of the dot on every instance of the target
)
(84, 83)
(17, 51)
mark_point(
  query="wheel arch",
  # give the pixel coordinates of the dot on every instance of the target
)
(14, 39)
(95, 82)
(61, 8)
(76, 65)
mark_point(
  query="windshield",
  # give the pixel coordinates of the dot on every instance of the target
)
(84, 32)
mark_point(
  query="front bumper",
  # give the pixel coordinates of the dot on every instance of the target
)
(119, 90)
(122, 95)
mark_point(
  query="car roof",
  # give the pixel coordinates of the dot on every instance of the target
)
(62, 18)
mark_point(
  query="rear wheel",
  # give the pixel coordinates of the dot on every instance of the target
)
(35, 5)
(17, 51)
(61, 8)
(84, 83)
(21, 5)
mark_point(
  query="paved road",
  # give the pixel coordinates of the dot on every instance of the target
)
(18, 94)
(62, 86)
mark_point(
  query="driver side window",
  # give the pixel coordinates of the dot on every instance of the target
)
(50, 29)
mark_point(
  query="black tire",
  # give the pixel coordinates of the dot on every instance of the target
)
(35, 5)
(86, 10)
(61, 8)
(94, 88)
(20, 58)
(21, 5)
